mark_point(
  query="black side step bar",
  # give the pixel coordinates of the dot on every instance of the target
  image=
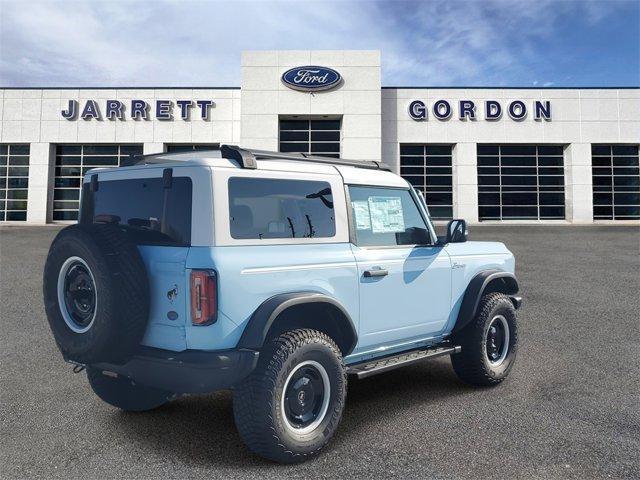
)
(366, 369)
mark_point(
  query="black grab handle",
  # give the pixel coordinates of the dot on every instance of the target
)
(376, 273)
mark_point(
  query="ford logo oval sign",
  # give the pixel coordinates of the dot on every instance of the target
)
(311, 78)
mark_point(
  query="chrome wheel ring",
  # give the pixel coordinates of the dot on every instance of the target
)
(77, 296)
(305, 397)
(497, 341)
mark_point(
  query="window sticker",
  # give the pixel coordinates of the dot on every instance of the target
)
(386, 214)
(361, 212)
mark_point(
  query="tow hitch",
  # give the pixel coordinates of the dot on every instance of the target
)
(77, 367)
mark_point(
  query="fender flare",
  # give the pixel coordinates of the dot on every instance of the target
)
(263, 318)
(499, 280)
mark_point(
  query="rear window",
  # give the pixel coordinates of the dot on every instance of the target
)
(151, 214)
(262, 208)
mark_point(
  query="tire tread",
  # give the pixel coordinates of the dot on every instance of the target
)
(253, 398)
(469, 365)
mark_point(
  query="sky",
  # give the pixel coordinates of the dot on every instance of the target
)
(188, 43)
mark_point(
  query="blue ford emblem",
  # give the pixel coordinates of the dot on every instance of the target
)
(311, 78)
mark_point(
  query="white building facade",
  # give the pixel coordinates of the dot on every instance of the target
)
(508, 155)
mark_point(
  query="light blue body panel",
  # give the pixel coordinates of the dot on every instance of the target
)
(249, 275)
(416, 304)
(410, 303)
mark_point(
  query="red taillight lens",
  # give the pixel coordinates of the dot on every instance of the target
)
(204, 297)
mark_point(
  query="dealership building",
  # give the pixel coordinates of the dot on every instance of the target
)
(510, 155)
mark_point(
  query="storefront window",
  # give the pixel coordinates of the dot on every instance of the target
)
(315, 137)
(428, 169)
(616, 182)
(521, 182)
(14, 182)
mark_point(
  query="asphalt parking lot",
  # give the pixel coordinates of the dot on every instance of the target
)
(570, 409)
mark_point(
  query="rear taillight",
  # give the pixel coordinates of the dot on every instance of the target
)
(204, 297)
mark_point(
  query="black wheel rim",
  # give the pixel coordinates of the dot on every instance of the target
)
(79, 295)
(304, 397)
(497, 344)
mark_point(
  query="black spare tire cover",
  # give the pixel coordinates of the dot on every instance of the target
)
(96, 294)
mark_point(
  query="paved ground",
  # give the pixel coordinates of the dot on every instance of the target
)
(571, 408)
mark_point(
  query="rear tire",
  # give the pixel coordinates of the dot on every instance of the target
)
(291, 405)
(489, 343)
(124, 393)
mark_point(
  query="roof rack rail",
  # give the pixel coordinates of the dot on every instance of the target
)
(163, 157)
(246, 158)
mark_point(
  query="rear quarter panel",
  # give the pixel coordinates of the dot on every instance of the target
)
(249, 275)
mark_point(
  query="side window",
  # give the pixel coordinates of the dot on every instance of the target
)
(262, 208)
(384, 217)
(151, 214)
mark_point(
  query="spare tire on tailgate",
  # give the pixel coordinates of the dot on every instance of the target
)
(96, 294)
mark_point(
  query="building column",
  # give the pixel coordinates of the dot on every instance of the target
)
(465, 182)
(578, 183)
(151, 148)
(41, 179)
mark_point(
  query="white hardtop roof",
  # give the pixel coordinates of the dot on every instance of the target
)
(361, 176)
(214, 159)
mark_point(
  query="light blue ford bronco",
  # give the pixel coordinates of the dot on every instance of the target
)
(275, 275)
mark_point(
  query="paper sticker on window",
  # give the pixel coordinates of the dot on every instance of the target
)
(386, 214)
(361, 214)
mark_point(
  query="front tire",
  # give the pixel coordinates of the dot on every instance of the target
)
(489, 343)
(123, 393)
(291, 405)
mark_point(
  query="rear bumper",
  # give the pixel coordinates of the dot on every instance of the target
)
(190, 371)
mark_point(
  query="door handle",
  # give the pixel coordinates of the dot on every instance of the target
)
(376, 272)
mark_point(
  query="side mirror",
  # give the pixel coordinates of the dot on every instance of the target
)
(456, 231)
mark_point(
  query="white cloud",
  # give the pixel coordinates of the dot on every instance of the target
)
(198, 43)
